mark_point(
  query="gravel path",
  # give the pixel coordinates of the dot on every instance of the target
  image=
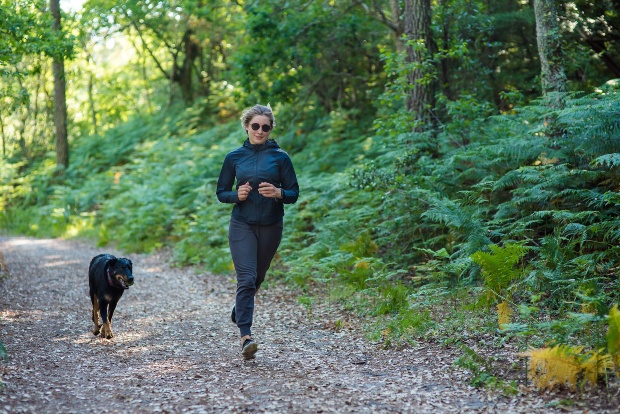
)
(175, 349)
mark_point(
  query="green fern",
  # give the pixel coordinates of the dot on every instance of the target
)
(613, 335)
(607, 160)
(499, 268)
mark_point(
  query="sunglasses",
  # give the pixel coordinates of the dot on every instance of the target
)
(266, 128)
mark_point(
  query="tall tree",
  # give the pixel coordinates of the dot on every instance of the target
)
(296, 51)
(391, 19)
(60, 102)
(420, 99)
(24, 35)
(553, 78)
(187, 40)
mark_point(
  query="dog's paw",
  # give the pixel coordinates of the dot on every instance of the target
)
(106, 331)
(96, 330)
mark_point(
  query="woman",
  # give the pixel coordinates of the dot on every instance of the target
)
(264, 181)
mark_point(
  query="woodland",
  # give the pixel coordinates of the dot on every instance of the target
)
(458, 160)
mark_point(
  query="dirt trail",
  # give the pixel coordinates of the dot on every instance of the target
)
(175, 349)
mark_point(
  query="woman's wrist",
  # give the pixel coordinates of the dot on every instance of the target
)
(281, 193)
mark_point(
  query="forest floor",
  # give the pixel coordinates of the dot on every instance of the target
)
(175, 349)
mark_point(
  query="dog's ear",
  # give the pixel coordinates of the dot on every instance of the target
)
(111, 262)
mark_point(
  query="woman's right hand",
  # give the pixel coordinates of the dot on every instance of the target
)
(243, 191)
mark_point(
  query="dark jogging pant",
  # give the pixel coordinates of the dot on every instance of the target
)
(252, 247)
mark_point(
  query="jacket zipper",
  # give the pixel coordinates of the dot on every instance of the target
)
(258, 198)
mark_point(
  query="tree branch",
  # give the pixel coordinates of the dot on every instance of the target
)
(135, 25)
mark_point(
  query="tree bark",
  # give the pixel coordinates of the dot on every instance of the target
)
(396, 15)
(60, 102)
(420, 99)
(147, 89)
(192, 51)
(553, 78)
(22, 116)
(446, 62)
(35, 115)
(91, 103)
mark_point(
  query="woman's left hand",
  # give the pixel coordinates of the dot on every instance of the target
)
(269, 190)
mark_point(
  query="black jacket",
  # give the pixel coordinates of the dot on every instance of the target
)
(256, 164)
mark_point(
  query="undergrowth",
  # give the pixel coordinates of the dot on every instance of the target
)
(509, 232)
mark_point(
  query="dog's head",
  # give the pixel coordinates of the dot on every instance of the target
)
(120, 270)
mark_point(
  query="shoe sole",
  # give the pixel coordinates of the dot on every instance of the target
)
(249, 351)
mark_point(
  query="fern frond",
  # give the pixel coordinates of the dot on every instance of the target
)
(564, 216)
(612, 230)
(515, 177)
(607, 160)
(498, 266)
(574, 229)
(594, 364)
(557, 366)
(504, 314)
(613, 335)
(471, 198)
(591, 198)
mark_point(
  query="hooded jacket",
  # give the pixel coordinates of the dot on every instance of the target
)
(256, 164)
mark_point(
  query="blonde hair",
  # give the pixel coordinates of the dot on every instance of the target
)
(250, 113)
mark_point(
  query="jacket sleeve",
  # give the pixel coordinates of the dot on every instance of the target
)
(226, 181)
(289, 182)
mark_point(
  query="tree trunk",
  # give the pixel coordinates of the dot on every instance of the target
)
(147, 88)
(91, 102)
(553, 78)
(420, 99)
(22, 115)
(185, 73)
(35, 115)
(446, 62)
(396, 14)
(60, 103)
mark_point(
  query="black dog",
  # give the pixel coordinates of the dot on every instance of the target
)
(108, 277)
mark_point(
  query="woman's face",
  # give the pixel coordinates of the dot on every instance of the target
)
(259, 136)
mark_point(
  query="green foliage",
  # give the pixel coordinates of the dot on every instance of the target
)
(20, 20)
(403, 328)
(613, 334)
(307, 302)
(600, 31)
(483, 372)
(498, 269)
(144, 191)
(297, 52)
(394, 299)
(27, 41)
